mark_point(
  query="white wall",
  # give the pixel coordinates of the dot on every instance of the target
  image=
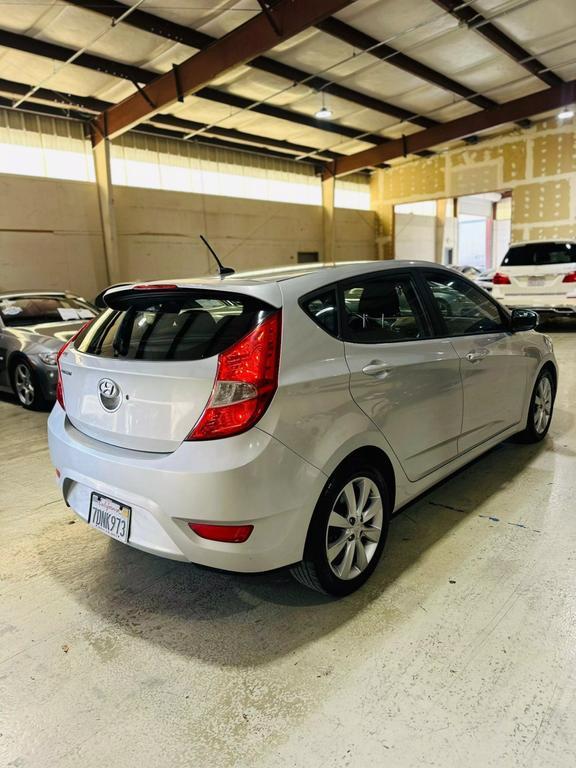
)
(414, 236)
(50, 234)
(159, 232)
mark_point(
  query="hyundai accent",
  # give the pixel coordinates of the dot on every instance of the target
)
(251, 422)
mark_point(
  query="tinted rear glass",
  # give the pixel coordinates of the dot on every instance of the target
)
(185, 325)
(19, 311)
(322, 308)
(540, 254)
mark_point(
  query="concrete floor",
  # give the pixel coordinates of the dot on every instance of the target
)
(460, 650)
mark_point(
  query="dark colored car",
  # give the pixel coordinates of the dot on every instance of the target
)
(33, 327)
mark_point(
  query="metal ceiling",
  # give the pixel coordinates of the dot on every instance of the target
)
(387, 68)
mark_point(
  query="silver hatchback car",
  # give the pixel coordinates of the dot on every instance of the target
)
(250, 422)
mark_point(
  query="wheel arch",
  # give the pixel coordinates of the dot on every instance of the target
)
(376, 457)
(16, 357)
(549, 366)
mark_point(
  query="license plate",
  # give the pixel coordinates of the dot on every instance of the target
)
(536, 281)
(110, 516)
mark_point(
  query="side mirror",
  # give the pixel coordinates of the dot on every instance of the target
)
(523, 320)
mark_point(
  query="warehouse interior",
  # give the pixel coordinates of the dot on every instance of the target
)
(287, 133)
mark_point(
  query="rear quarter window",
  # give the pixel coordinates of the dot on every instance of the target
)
(322, 308)
(184, 325)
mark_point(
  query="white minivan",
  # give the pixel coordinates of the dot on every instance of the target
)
(251, 422)
(539, 275)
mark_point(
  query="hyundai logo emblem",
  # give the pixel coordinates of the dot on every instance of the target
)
(109, 394)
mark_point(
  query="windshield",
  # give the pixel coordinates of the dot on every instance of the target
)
(19, 311)
(185, 325)
(536, 254)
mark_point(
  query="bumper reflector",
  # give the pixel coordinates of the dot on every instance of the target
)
(231, 533)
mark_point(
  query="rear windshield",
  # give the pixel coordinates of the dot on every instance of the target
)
(186, 325)
(19, 311)
(539, 254)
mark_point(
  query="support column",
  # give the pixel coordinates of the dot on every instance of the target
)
(328, 187)
(101, 152)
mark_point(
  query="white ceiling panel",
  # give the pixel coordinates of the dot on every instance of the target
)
(516, 91)
(30, 69)
(424, 100)
(28, 15)
(494, 72)
(201, 110)
(200, 14)
(529, 23)
(453, 111)
(75, 28)
(397, 22)
(398, 130)
(368, 120)
(384, 81)
(256, 85)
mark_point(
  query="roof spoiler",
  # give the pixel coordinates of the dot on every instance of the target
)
(99, 301)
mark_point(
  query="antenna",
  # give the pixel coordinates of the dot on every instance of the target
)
(223, 271)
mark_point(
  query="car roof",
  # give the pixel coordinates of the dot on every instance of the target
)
(13, 293)
(557, 241)
(265, 283)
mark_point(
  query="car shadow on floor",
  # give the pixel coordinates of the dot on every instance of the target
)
(247, 620)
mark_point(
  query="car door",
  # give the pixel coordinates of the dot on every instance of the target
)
(405, 380)
(494, 365)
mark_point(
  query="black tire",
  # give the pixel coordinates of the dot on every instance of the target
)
(315, 570)
(531, 433)
(29, 395)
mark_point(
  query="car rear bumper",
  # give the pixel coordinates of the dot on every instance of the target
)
(249, 479)
(557, 305)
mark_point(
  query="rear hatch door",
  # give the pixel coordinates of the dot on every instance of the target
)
(141, 375)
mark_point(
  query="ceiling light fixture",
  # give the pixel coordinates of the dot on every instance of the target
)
(566, 114)
(324, 113)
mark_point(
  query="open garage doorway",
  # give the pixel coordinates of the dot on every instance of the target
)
(471, 232)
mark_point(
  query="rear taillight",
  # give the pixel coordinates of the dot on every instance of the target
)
(570, 278)
(246, 380)
(500, 279)
(235, 534)
(59, 387)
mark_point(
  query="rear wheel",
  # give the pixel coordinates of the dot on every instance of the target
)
(541, 408)
(347, 532)
(26, 386)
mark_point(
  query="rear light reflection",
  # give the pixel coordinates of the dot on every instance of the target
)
(235, 534)
(570, 278)
(59, 387)
(500, 279)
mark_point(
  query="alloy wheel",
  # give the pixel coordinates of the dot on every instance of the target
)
(354, 528)
(542, 404)
(23, 384)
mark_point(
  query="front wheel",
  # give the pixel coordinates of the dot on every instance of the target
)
(347, 532)
(26, 386)
(541, 408)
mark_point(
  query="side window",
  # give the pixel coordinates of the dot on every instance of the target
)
(384, 309)
(464, 309)
(322, 308)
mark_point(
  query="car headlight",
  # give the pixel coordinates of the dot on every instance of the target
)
(48, 358)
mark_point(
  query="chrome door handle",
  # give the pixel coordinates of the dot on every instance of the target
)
(375, 367)
(477, 355)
